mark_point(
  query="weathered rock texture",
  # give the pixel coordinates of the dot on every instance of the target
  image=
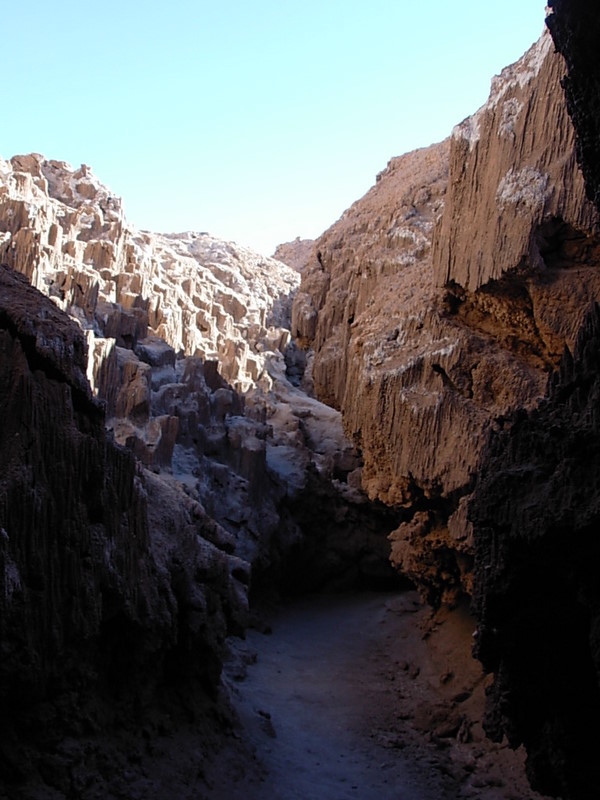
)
(295, 254)
(441, 300)
(513, 168)
(67, 233)
(176, 326)
(536, 516)
(110, 605)
(574, 28)
(436, 308)
(125, 568)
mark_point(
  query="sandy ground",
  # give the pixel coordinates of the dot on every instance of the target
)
(361, 696)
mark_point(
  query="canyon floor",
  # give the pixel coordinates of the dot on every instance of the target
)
(361, 696)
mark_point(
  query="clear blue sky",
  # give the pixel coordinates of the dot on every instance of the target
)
(255, 120)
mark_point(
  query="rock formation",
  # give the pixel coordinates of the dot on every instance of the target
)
(102, 614)
(216, 478)
(177, 326)
(515, 186)
(200, 466)
(295, 254)
(535, 513)
(437, 312)
(67, 233)
(574, 27)
(433, 311)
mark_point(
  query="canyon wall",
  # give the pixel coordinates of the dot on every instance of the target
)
(513, 174)
(536, 514)
(441, 301)
(574, 28)
(189, 349)
(449, 306)
(102, 613)
(161, 469)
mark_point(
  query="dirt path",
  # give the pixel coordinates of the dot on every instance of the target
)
(308, 700)
(366, 697)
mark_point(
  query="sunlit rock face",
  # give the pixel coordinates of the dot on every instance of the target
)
(295, 254)
(441, 301)
(140, 515)
(67, 233)
(513, 171)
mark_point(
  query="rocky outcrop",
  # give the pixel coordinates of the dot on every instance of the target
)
(509, 177)
(176, 327)
(535, 515)
(574, 28)
(295, 254)
(536, 512)
(328, 533)
(139, 518)
(441, 301)
(67, 233)
(108, 602)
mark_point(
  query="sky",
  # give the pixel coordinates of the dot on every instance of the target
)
(257, 121)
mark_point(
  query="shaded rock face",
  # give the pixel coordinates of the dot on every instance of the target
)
(536, 516)
(102, 612)
(441, 301)
(574, 27)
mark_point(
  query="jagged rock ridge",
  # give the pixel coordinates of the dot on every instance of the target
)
(67, 233)
(295, 254)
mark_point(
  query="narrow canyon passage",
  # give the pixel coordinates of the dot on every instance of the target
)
(320, 704)
(365, 696)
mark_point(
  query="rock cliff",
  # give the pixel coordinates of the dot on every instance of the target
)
(102, 614)
(574, 27)
(441, 301)
(535, 513)
(189, 348)
(514, 183)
